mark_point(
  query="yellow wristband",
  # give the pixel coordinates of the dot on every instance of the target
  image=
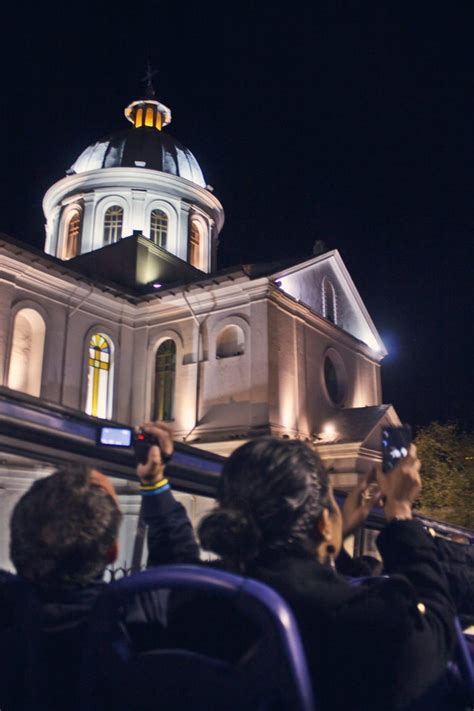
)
(152, 487)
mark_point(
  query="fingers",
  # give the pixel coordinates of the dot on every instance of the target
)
(401, 486)
(163, 434)
(153, 469)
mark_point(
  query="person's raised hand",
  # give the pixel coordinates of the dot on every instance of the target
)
(401, 486)
(359, 502)
(153, 470)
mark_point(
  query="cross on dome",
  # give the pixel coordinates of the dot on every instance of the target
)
(148, 112)
(150, 73)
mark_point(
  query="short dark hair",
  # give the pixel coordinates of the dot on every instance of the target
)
(270, 495)
(63, 528)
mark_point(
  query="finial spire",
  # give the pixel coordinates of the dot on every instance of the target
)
(148, 112)
(150, 73)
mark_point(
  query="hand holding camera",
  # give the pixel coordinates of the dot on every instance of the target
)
(153, 448)
(152, 443)
(401, 486)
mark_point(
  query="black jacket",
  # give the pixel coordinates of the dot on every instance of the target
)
(374, 646)
(53, 620)
(369, 647)
(457, 561)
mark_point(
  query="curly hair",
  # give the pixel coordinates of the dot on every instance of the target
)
(63, 528)
(270, 495)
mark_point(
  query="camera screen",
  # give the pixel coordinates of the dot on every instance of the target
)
(116, 436)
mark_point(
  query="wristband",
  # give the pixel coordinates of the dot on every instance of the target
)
(157, 488)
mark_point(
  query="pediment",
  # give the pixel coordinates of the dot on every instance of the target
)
(305, 283)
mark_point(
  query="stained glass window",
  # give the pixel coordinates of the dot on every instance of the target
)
(165, 373)
(98, 379)
(158, 227)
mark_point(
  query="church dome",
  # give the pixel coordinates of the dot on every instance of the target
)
(142, 147)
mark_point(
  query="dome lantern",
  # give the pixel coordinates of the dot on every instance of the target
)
(148, 112)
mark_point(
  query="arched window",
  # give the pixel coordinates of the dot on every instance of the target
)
(73, 231)
(26, 354)
(196, 244)
(158, 227)
(165, 375)
(230, 342)
(329, 301)
(113, 221)
(99, 377)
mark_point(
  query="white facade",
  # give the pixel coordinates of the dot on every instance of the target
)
(292, 371)
(137, 191)
(226, 356)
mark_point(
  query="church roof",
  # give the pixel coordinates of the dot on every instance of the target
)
(356, 423)
(143, 147)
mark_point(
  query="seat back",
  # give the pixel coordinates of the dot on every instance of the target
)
(464, 662)
(271, 674)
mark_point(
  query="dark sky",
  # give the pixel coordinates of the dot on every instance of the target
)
(338, 122)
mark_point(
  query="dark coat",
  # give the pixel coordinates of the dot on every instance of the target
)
(373, 646)
(42, 628)
(457, 561)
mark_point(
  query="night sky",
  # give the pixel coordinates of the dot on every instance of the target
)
(347, 122)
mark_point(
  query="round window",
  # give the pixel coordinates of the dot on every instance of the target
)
(335, 378)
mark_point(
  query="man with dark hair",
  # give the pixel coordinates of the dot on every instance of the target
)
(64, 529)
(64, 534)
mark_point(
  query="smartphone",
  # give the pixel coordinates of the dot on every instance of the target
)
(115, 436)
(395, 444)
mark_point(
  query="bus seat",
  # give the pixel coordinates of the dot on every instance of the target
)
(461, 670)
(272, 674)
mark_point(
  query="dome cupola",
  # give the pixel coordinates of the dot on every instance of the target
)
(143, 146)
(137, 180)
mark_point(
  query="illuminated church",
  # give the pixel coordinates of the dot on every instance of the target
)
(125, 316)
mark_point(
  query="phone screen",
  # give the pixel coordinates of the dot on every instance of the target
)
(116, 436)
(395, 444)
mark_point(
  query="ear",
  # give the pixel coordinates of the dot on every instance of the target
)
(324, 526)
(112, 553)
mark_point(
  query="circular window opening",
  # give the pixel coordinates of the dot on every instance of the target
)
(335, 378)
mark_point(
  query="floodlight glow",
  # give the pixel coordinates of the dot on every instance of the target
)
(329, 429)
(157, 285)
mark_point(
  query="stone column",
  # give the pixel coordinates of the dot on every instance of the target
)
(6, 297)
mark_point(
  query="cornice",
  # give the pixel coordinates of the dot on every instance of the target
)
(61, 289)
(133, 179)
(345, 279)
(288, 304)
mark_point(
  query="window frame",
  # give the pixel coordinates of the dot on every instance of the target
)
(112, 227)
(329, 299)
(39, 312)
(165, 215)
(158, 412)
(103, 332)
